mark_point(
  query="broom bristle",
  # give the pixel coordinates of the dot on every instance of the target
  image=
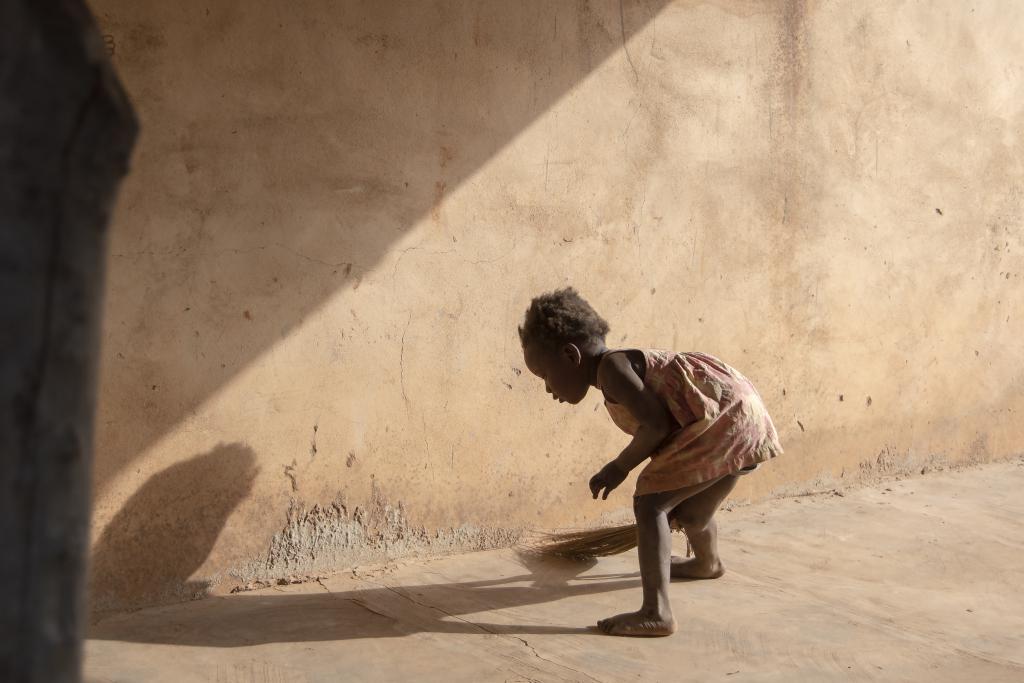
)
(586, 543)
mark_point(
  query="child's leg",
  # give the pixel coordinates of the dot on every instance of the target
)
(654, 545)
(696, 516)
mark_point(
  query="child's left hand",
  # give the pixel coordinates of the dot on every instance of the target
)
(609, 478)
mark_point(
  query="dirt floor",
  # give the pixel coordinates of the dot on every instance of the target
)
(915, 580)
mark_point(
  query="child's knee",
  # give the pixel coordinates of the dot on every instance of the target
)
(690, 517)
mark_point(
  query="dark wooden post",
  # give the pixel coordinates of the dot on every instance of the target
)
(66, 133)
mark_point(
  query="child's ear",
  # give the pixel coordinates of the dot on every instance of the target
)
(572, 352)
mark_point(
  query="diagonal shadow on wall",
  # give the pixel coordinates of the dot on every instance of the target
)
(285, 147)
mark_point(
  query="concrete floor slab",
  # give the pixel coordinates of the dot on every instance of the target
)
(907, 581)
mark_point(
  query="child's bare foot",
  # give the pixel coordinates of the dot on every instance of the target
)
(695, 568)
(638, 624)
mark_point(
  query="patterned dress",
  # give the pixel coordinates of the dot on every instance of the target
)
(722, 426)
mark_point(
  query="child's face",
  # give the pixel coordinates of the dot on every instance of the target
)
(561, 370)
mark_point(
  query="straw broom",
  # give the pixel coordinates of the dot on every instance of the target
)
(588, 543)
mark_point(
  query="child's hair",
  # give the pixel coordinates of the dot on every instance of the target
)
(561, 317)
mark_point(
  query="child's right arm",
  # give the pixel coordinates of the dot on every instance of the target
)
(621, 384)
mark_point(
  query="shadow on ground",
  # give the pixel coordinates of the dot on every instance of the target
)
(377, 611)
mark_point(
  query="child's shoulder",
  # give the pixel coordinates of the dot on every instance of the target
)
(619, 363)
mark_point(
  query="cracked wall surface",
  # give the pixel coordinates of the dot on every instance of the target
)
(323, 538)
(338, 214)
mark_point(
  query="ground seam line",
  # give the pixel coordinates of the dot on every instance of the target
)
(482, 628)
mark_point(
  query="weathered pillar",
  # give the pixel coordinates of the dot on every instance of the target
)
(66, 132)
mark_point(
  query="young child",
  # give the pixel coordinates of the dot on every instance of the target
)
(701, 423)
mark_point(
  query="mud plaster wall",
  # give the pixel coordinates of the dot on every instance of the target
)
(339, 211)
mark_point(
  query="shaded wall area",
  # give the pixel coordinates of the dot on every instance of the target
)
(168, 527)
(339, 212)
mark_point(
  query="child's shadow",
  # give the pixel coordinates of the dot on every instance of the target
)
(378, 611)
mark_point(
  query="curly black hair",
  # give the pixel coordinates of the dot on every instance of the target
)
(561, 317)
